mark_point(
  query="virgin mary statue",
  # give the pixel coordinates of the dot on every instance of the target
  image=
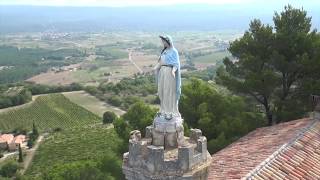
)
(168, 79)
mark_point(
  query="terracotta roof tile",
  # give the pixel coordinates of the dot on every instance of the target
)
(19, 139)
(243, 156)
(300, 159)
(6, 138)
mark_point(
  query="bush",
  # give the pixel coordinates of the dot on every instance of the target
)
(109, 117)
(9, 169)
(115, 101)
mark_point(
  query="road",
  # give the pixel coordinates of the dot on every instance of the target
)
(130, 59)
(30, 154)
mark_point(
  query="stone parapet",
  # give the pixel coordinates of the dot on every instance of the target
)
(148, 160)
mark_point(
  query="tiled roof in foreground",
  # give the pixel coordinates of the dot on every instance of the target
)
(289, 150)
(299, 159)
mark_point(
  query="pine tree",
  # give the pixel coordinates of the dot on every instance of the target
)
(271, 64)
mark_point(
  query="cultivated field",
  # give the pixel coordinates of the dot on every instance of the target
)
(81, 143)
(104, 57)
(91, 103)
(47, 112)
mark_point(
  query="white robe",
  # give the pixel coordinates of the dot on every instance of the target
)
(167, 89)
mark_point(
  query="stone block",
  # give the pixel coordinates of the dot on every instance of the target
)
(155, 158)
(195, 134)
(185, 156)
(158, 138)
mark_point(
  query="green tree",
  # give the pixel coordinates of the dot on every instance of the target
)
(110, 163)
(20, 154)
(30, 143)
(139, 116)
(109, 117)
(293, 49)
(269, 65)
(222, 118)
(78, 170)
(35, 132)
(9, 169)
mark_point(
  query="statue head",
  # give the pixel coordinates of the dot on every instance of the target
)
(166, 40)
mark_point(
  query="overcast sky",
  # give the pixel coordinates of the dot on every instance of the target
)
(153, 2)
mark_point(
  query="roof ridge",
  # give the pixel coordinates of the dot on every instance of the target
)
(278, 152)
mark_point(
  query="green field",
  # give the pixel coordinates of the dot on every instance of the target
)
(82, 143)
(47, 112)
(91, 103)
(211, 58)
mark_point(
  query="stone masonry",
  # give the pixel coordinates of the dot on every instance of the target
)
(166, 154)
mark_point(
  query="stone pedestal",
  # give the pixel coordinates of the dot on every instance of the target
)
(167, 132)
(165, 154)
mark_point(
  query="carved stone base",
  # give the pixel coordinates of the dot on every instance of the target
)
(145, 160)
(167, 133)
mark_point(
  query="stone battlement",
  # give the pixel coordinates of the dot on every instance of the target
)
(145, 160)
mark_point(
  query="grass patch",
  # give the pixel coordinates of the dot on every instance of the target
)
(91, 103)
(211, 58)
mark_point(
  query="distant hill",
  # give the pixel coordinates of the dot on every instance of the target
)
(47, 112)
(154, 18)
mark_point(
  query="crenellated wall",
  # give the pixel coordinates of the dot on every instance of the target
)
(148, 161)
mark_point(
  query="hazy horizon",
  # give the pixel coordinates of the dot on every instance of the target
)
(137, 3)
(171, 15)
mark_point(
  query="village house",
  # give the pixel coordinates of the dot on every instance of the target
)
(11, 143)
(5, 139)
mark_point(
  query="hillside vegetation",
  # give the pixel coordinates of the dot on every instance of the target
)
(74, 148)
(20, 64)
(47, 112)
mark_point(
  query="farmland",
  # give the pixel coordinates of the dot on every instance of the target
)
(76, 144)
(91, 103)
(21, 63)
(93, 58)
(47, 112)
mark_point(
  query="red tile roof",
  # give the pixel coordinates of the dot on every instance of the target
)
(6, 138)
(19, 139)
(299, 159)
(250, 152)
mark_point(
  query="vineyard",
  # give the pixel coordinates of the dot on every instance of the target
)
(76, 144)
(47, 112)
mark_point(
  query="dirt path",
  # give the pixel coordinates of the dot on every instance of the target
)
(30, 154)
(7, 155)
(130, 59)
